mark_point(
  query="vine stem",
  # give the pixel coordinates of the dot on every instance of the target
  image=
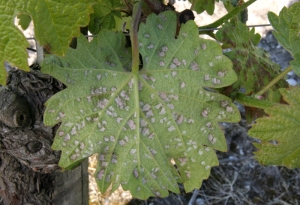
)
(273, 82)
(251, 101)
(136, 15)
(228, 16)
(39, 52)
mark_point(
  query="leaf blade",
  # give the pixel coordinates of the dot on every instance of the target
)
(104, 15)
(55, 22)
(279, 144)
(137, 124)
(203, 5)
(24, 21)
(251, 63)
(287, 27)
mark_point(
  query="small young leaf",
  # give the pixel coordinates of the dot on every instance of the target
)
(287, 28)
(279, 133)
(140, 124)
(25, 20)
(104, 15)
(203, 5)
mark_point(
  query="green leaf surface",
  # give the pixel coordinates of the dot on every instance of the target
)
(287, 28)
(105, 13)
(279, 132)
(123, 24)
(12, 42)
(141, 124)
(55, 23)
(252, 64)
(24, 21)
(203, 5)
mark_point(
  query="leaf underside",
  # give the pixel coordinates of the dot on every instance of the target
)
(287, 28)
(253, 66)
(279, 133)
(141, 124)
(55, 23)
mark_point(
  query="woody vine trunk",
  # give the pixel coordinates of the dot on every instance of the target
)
(29, 173)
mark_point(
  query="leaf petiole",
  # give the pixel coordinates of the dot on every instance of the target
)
(251, 101)
(274, 81)
(134, 36)
(225, 18)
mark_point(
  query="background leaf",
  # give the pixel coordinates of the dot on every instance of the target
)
(287, 28)
(55, 23)
(140, 124)
(12, 42)
(203, 5)
(251, 63)
(104, 16)
(279, 133)
(25, 20)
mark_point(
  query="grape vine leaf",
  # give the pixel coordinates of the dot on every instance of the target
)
(104, 16)
(252, 64)
(279, 132)
(254, 67)
(287, 28)
(140, 124)
(24, 21)
(55, 23)
(203, 5)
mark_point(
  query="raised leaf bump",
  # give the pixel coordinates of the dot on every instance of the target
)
(279, 132)
(140, 124)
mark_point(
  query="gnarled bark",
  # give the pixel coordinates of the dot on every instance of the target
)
(29, 173)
